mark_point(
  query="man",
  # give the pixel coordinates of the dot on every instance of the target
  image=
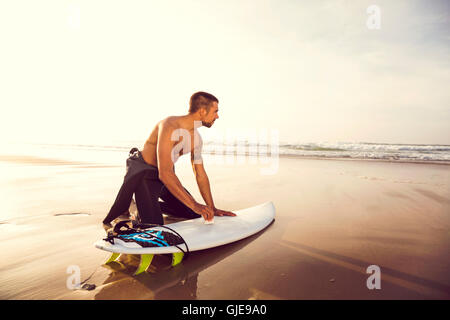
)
(151, 172)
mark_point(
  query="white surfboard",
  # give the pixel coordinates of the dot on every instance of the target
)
(198, 235)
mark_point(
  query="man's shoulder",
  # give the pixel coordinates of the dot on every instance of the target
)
(169, 122)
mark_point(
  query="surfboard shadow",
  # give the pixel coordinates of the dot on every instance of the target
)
(165, 282)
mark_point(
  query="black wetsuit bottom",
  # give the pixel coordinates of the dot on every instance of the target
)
(142, 180)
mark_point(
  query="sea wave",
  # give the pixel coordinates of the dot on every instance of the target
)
(353, 150)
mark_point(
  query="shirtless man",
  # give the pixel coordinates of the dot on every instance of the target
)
(150, 172)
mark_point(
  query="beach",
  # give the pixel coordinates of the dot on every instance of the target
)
(334, 219)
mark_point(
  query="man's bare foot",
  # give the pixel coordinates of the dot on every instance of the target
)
(124, 216)
(108, 227)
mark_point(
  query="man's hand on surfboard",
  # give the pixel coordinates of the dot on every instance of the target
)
(218, 212)
(206, 212)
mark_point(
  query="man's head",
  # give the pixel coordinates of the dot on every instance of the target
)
(206, 106)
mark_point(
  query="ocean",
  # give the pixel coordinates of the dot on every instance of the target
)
(370, 151)
(114, 153)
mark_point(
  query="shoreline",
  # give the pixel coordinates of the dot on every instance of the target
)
(37, 160)
(443, 162)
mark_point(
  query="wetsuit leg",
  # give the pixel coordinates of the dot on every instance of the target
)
(147, 194)
(123, 199)
(171, 205)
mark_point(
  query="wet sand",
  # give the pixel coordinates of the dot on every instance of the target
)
(334, 219)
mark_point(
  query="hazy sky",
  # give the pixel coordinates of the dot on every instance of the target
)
(84, 71)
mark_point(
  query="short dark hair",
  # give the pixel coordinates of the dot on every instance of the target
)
(201, 99)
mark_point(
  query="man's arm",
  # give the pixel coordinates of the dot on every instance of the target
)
(167, 175)
(203, 182)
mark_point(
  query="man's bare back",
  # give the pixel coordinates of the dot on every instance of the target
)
(149, 151)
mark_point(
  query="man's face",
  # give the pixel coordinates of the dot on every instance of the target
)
(211, 116)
